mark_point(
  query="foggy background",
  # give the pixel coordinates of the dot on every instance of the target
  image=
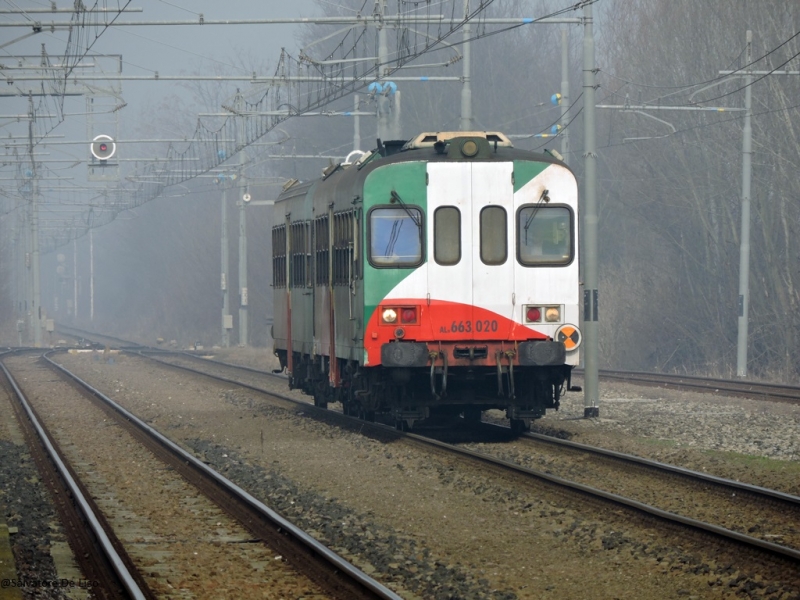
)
(669, 190)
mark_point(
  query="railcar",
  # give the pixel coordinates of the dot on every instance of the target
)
(431, 277)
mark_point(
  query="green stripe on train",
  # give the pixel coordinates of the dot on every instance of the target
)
(525, 171)
(408, 180)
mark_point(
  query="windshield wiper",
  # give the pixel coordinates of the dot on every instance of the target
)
(544, 198)
(396, 197)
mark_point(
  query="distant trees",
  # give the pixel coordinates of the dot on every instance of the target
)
(681, 191)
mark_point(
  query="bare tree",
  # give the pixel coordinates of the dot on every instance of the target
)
(683, 187)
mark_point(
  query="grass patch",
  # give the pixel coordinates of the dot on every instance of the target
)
(750, 461)
(657, 442)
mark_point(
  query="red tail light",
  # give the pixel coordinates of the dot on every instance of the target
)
(533, 315)
(408, 315)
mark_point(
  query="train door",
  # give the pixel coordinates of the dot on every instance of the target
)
(471, 249)
(449, 234)
(492, 250)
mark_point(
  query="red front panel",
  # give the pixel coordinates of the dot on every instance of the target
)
(441, 321)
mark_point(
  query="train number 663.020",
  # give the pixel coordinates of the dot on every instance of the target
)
(478, 326)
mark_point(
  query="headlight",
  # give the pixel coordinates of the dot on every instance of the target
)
(552, 314)
(389, 315)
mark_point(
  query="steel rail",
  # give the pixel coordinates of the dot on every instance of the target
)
(227, 364)
(90, 334)
(255, 388)
(639, 460)
(124, 576)
(747, 540)
(750, 389)
(334, 560)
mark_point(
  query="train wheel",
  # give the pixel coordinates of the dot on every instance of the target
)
(404, 424)
(520, 425)
(321, 393)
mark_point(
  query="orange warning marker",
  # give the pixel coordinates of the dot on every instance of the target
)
(570, 336)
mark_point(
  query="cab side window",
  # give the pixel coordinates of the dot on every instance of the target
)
(395, 236)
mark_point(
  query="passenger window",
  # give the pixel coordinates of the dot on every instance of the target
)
(494, 235)
(447, 235)
(544, 235)
(395, 237)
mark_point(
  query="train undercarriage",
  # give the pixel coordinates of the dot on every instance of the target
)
(410, 395)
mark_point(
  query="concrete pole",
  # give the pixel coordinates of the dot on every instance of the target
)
(744, 244)
(396, 130)
(36, 308)
(226, 339)
(243, 329)
(18, 252)
(242, 273)
(466, 84)
(591, 392)
(356, 125)
(74, 280)
(383, 59)
(564, 92)
(91, 275)
(29, 268)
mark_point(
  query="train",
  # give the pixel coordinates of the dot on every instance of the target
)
(436, 277)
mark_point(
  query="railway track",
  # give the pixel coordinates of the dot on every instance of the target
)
(333, 576)
(697, 501)
(100, 554)
(754, 511)
(730, 387)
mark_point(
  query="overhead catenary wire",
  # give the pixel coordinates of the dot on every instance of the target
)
(719, 122)
(728, 76)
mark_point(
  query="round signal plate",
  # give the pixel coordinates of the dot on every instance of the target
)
(570, 336)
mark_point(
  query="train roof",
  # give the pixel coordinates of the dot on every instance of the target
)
(430, 139)
(481, 146)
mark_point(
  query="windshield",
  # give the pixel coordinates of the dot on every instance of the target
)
(395, 236)
(544, 235)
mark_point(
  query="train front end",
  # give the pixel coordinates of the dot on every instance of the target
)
(471, 280)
